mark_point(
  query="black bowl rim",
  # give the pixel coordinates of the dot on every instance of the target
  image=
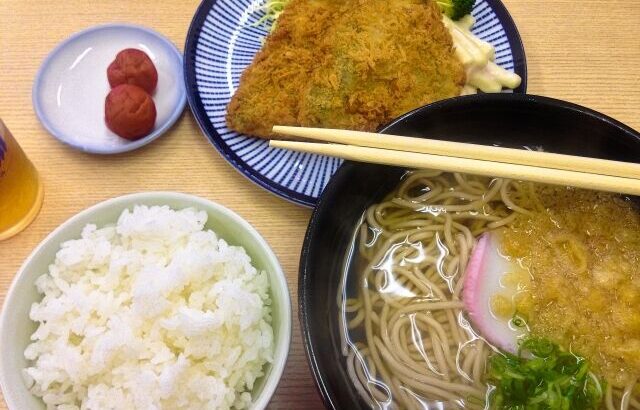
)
(304, 290)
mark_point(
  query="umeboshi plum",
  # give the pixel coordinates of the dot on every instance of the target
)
(130, 112)
(132, 66)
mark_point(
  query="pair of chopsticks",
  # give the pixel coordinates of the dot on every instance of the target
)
(518, 164)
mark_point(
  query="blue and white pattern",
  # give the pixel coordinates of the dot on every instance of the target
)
(222, 41)
(3, 148)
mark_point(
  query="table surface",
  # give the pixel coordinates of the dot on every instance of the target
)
(586, 52)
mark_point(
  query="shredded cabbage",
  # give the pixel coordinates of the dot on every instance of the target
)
(272, 9)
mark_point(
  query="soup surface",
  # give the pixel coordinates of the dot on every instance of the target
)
(567, 279)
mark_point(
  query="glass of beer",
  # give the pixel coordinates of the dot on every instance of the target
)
(21, 191)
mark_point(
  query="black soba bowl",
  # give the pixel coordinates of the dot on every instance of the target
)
(509, 120)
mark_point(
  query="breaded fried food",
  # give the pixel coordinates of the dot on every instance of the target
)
(353, 64)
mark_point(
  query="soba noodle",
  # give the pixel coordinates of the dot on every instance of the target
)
(406, 339)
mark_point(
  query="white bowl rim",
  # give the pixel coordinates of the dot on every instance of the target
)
(281, 350)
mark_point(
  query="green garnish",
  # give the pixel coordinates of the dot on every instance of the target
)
(272, 9)
(456, 9)
(551, 379)
(518, 321)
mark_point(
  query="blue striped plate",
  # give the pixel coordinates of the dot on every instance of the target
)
(222, 40)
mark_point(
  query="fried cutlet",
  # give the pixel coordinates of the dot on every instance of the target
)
(353, 64)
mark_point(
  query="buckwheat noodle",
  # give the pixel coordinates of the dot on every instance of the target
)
(405, 337)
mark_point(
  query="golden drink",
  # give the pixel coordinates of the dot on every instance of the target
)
(21, 191)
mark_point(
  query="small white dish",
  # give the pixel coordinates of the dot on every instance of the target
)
(16, 327)
(71, 86)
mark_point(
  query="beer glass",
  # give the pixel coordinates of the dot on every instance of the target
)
(21, 191)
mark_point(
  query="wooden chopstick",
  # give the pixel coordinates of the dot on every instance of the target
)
(464, 150)
(472, 166)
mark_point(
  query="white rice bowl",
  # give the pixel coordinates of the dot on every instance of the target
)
(153, 313)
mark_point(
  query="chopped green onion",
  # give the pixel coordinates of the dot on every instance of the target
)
(542, 377)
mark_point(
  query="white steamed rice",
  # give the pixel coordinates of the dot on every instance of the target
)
(153, 313)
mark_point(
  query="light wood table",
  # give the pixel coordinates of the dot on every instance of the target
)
(587, 52)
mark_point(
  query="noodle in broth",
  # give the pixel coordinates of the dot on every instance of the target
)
(406, 338)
